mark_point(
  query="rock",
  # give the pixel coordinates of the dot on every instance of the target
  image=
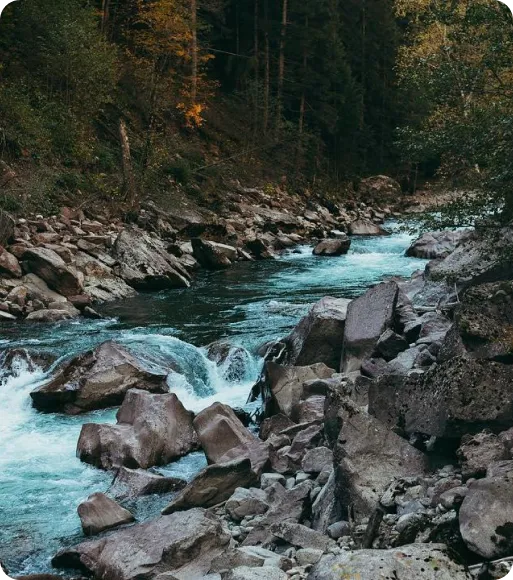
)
(212, 255)
(151, 430)
(263, 573)
(9, 265)
(50, 267)
(451, 399)
(51, 315)
(269, 479)
(285, 505)
(481, 258)
(183, 544)
(336, 247)
(224, 438)
(246, 502)
(259, 249)
(391, 344)
(130, 483)
(286, 385)
(367, 318)
(304, 440)
(339, 529)
(94, 380)
(315, 460)
(99, 513)
(366, 228)
(326, 507)
(233, 361)
(379, 188)
(436, 245)
(416, 561)
(7, 225)
(6, 316)
(477, 452)
(250, 556)
(368, 457)
(274, 425)
(310, 410)
(319, 336)
(452, 498)
(144, 263)
(434, 328)
(215, 484)
(486, 517)
(301, 536)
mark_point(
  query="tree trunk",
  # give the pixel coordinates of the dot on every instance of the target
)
(194, 50)
(267, 72)
(302, 103)
(281, 66)
(128, 174)
(257, 63)
(105, 16)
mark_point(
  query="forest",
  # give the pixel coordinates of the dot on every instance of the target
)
(318, 93)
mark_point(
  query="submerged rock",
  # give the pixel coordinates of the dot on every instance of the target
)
(94, 380)
(151, 430)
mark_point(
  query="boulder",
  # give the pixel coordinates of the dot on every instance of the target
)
(9, 265)
(51, 268)
(130, 483)
(379, 188)
(451, 399)
(99, 513)
(94, 380)
(51, 315)
(436, 245)
(367, 319)
(7, 225)
(224, 438)
(263, 573)
(319, 336)
(335, 247)
(246, 502)
(390, 345)
(368, 456)
(316, 460)
(144, 263)
(151, 430)
(326, 508)
(250, 556)
(286, 385)
(233, 361)
(214, 485)
(366, 228)
(486, 517)
(274, 425)
(212, 255)
(182, 544)
(479, 451)
(259, 249)
(416, 561)
(300, 536)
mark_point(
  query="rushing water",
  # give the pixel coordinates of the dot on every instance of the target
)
(41, 480)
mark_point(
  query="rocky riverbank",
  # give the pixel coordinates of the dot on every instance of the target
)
(57, 268)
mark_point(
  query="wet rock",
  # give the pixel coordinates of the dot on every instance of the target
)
(151, 430)
(95, 380)
(99, 513)
(368, 456)
(436, 245)
(130, 483)
(246, 502)
(336, 247)
(319, 336)
(183, 544)
(286, 384)
(51, 315)
(224, 438)
(391, 344)
(214, 485)
(212, 255)
(9, 265)
(419, 561)
(233, 361)
(259, 249)
(50, 267)
(366, 228)
(486, 517)
(367, 318)
(144, 263)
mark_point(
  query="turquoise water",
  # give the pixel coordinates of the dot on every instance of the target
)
(42, 482)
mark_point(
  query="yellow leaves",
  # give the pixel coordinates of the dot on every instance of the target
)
(192, 114)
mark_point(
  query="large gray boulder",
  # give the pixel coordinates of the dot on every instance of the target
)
(94, 380)
(99, 513)
(144, 263)
(214, 485)
(224, 438)
(337, 247)
(212, 255)
(367, 318)
(366, 228)
(151, 430)
(368, 456)
(182, 545)
(457, 397)
(486, 517)
(436, 245)
(286, 385)
(50, 267)
(130, 483)
(319, 336)
(415, 561)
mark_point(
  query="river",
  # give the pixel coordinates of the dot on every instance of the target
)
(41, 480)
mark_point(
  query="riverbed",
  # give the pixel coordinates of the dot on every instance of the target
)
(41, 480)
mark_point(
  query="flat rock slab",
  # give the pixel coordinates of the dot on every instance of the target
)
(129, 483)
